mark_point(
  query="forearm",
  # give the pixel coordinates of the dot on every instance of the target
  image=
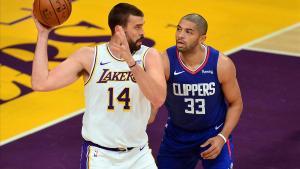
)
(40, 62)
(153, 114)
(232, 117)
(153, 91)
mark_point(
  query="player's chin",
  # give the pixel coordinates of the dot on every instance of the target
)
(180, 48)
(180, 45)
(138, 45)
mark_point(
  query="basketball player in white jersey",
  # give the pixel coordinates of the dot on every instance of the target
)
(123, 78)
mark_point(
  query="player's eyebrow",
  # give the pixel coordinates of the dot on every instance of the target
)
(187, 29)
(190, 29)
(139, 24)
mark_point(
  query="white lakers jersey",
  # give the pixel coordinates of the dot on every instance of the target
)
(117, 111)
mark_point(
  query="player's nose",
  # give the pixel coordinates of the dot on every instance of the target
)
(141, 33)
(180, 35)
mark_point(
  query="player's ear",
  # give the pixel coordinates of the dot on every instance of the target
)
(202, 38)
(118, 28)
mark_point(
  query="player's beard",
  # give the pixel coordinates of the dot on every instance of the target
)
(186, 47)
(181, 46)
(133, 46)
(181, 49)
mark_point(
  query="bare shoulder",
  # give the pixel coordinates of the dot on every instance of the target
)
(165, 58)
(166, 64)
(153, 52)
(84, 56)
(87, 49)
(226, 68)
(162, 55)
(225, 62)
(85, 52)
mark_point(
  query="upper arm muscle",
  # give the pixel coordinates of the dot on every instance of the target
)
(227, 78)
(70, 69)
(166, 64)
(154, 65)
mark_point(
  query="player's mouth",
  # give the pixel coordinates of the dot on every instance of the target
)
(180, 43)
(139, 41)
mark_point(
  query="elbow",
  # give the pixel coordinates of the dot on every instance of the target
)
(36, 86)
(158, 102)
(239, 105)
(153, 114)
(151, 120)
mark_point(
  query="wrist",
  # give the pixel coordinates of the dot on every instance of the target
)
(132, 65)
(223, 137)
(43, 35)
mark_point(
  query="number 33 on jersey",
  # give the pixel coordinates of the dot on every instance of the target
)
(194, 98)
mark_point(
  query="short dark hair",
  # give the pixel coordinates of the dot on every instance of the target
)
(198, 20)
(119, 15)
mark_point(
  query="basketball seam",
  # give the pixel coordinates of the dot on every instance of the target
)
(67, 7)
(54, 12)
(42, 17)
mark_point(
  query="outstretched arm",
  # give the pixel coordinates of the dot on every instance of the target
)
(230, 87)
(62, 75)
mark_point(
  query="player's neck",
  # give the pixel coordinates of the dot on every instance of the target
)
(193, 58)
(113, 52)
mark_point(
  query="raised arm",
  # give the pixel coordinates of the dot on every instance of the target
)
(166, 64)
(151, 81)
(62, 75)
(166, 67)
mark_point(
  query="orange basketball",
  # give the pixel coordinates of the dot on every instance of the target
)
(52, 12)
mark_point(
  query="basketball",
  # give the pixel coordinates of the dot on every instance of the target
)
(51, 13)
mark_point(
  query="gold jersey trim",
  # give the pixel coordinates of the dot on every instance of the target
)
(110, 53)
(93, 67)
(144, 59)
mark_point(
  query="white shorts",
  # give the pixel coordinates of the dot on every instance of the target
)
(97, 158)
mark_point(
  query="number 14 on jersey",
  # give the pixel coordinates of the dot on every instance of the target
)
(123, 97)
